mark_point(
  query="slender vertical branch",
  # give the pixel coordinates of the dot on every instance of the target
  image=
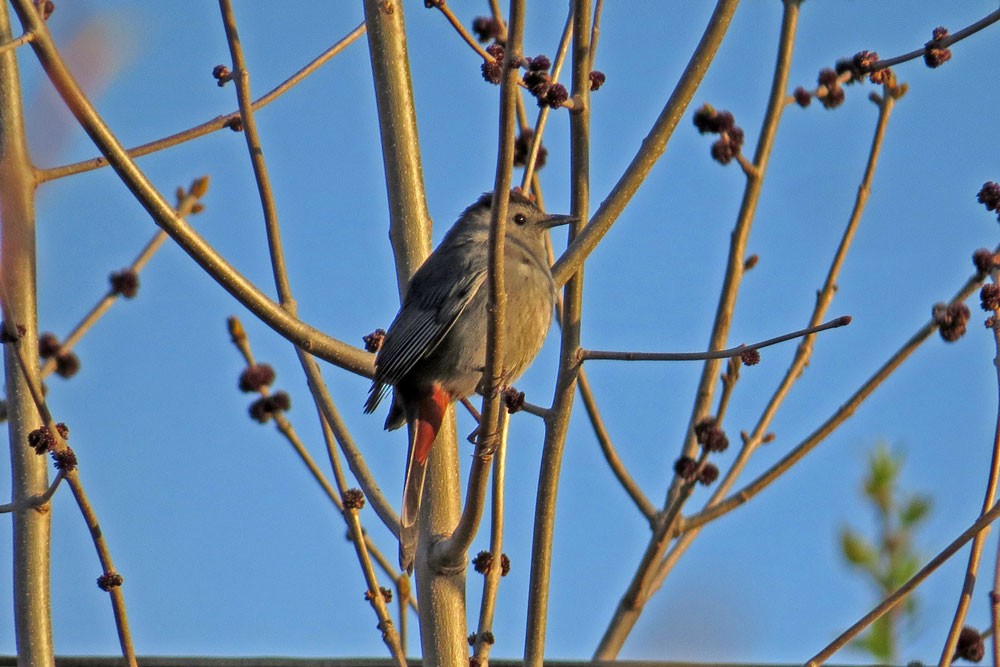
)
(803, 352)
(409, 221)
(241, 77)
(491, 578)
(450, 552)
(349, 510)
(29, 477)
(741, 232)
(644, 580)
(442, 633)
(110, 580)
(557, 423)
(979, 542)
(995, 610)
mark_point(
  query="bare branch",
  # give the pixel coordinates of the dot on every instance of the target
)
(900, 594)
(979, 542)
(972, 29)
(585, 355)
(217, 123)
(303, 335)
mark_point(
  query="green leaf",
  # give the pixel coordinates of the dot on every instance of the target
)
(916, 509)
(856, 549)
(883, 470)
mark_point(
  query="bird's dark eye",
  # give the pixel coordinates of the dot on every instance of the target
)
(519, 219)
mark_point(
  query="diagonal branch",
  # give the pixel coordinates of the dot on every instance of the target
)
(217, 123)
(653, 146)
(248, 294)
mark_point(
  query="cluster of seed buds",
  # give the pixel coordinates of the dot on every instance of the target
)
(385, 592)
(42, 440)
(354, 499)
(266, 407)
(124, 283)
(536, 79)
(539, 83)
(730, 141)
(934, 55)
(45, 8)
(484, 561)
(690, 470)
(830, 93)
(951, 320)
(373, 341)
(522, 149)
(513, 399)
(970, 645)
(710, 436)
(989, 196)
(67, 363)
(487, 29)
(222, 75)
(989, 297)
(256, 377)
(110, 580)
(859, 67)
(986, 261)
(750, 357)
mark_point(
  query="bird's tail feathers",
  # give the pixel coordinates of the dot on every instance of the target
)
(426, 424)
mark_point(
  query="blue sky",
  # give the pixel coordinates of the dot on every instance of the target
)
(228, 547)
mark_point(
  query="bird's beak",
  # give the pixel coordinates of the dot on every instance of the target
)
(556, 220)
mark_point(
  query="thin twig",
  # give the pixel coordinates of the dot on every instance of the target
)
(945, 42)
(595, 31)
(278, 268)
(35, 501)
(841, 415)
(536, 139)
(20, 41)
(803, 352)
(491, 578)
(72, 478)
(217, 123)
(624, 618)
(463, 33)
(735, 268)
(900, 593)
(587, 355)
(241, 77)
(184, 208)
(994, 629)
(610, 453)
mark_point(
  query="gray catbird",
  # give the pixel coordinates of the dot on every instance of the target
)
(434, 352)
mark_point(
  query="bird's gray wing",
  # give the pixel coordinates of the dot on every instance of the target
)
(439, 292)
